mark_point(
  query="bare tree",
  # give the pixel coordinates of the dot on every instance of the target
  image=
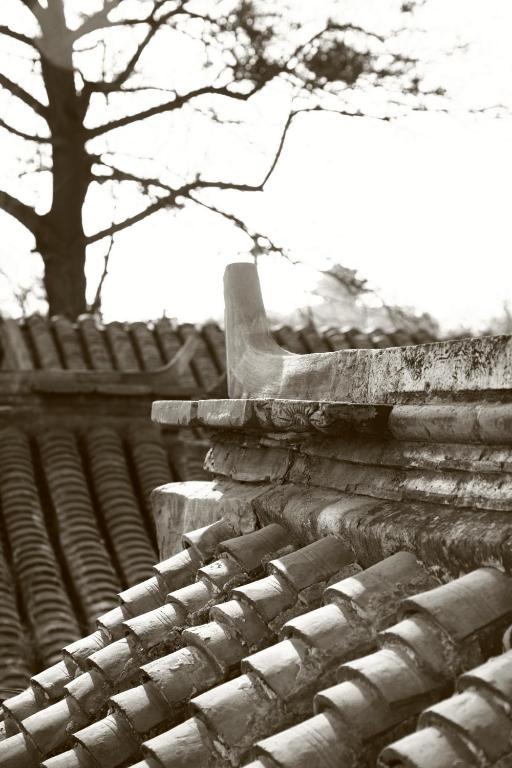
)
(247, 45)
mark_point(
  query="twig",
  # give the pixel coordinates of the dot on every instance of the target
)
(96, 304)
(256, 237)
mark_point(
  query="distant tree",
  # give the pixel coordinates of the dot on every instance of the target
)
(22, 295)
(95, 64)
(503, 322)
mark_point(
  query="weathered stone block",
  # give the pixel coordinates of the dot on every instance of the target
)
(181, 507)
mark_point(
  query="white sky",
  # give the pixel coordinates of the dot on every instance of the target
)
(420, 207)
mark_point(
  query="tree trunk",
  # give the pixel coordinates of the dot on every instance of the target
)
(64, 280)
(62, 242)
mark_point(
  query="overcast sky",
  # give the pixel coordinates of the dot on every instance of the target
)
(420, 206)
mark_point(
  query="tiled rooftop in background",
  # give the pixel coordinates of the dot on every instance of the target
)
(57, 343)
(75, 527)
(258, 648)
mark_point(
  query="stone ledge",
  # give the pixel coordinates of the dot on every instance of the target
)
(270, 415)
(487, 423)
(258, 461)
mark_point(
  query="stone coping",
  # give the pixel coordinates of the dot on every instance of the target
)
(271, 415)
(464, 370)
(489, 423)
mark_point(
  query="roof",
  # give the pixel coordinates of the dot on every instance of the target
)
(57, 343)
(254, 648)
(339, 592)
(354, 580)
(74, 452)
(75, 526)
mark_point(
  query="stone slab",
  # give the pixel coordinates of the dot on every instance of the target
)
(468, 423)
(271, 415)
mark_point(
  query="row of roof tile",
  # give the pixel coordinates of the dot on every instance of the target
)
(315, 663)
(75, 527)
(57, 343)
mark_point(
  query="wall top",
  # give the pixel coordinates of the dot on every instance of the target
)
(467, 369)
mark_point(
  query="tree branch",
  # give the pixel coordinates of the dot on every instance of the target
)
(107, 25)
(97, 21)
(185, 191)
(20, 211)
(100, 20)
(332, 26)
(33, 6)
(158, 205)
(19, 36)
(291, 118)
(168, 106)
(255, 237)
(117, 174)
(22, 134)
(163, 202)
(96, 304)
(24, 95)
(142, 88)
(115, 85)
